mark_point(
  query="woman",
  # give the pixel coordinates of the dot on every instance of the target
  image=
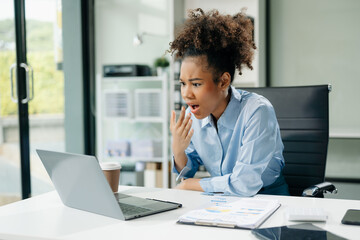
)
(234, 134)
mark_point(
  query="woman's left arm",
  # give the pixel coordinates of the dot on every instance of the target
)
(190, 184)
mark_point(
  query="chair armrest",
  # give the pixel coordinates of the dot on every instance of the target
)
(318, 190)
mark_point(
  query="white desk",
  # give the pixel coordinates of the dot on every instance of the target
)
(45, 217)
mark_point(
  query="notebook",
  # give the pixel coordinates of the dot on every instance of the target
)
(81, 184)
(248, 213)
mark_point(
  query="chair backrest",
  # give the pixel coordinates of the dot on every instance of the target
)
(303, 116)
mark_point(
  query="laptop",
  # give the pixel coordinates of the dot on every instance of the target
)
(81, 184)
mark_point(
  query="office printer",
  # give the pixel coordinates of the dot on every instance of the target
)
(126, 70)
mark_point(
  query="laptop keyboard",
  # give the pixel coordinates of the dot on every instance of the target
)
(128, 209)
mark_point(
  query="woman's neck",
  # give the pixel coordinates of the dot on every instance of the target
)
(226, 103)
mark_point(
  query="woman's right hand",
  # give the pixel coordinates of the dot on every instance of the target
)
(181, 132)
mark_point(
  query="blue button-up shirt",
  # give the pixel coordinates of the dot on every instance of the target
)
(244, 154)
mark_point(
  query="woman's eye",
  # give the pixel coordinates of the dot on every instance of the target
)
(196, 84)
(182, 83)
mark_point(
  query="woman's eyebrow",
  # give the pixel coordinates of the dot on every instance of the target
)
(195, 79)
(192, 79)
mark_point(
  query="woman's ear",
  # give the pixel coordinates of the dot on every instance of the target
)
(225, 81)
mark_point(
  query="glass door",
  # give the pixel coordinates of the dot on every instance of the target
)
(46, 109)
(32, 102)
(10, 177)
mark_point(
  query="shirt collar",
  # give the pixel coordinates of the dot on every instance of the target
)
(206, 121)
(229, 116)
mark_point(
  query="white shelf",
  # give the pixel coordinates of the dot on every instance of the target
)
(109, 127)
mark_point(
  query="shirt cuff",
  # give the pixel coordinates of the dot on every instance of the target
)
(206, 185)
(215, 184)
(184, 171)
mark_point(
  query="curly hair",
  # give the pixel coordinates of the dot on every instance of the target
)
(226, 41)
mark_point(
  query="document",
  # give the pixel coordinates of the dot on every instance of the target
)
(246, 213)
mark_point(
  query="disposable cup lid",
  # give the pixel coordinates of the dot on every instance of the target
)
(110, 166)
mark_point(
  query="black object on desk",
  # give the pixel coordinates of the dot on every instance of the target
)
(295, 232)
(351, 217)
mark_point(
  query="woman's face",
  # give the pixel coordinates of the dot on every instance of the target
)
(198, 89)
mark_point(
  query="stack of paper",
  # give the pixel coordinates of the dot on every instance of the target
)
(245, 213)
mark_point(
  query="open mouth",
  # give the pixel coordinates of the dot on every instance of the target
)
(193, 108)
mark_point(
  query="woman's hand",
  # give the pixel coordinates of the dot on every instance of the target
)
(180, 130)
(190, 184)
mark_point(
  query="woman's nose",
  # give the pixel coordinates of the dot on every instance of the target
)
(186, 92)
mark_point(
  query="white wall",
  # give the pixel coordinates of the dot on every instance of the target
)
(117, 22)
(318, 42)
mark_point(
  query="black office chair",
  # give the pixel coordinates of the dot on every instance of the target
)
(303, 116)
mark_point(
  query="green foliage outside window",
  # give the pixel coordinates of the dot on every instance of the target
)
(48, 83)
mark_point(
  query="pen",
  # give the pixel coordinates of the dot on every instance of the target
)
(179, 204)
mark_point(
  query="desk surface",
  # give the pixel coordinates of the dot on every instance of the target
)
(45, 217)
